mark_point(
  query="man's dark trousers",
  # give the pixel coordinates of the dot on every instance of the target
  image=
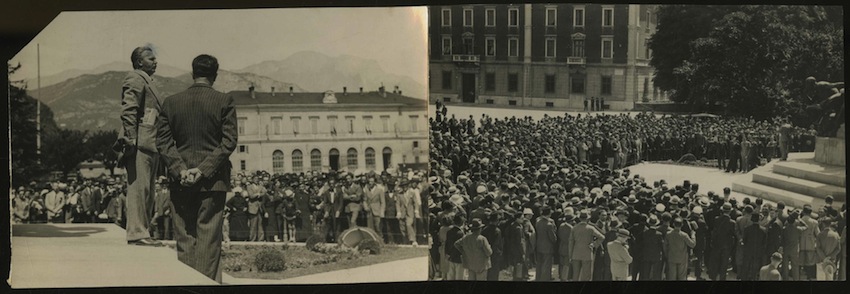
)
(198, 219)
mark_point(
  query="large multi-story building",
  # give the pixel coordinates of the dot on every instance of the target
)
(542, 55)
(349, 131)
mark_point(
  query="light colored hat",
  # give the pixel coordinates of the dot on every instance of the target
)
(698, 209)
(480, 189)
(660, 207)
(288, 192)
(527, 211)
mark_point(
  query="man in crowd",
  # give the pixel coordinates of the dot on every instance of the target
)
(546, 233)
(620, 257)
(583, 240)
(475, 251)
(677, 245)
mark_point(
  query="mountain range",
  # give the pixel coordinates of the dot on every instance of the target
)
(90, 99)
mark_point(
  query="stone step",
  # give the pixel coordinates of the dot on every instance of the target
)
(811, 170)
(798, 185)
(791, 199)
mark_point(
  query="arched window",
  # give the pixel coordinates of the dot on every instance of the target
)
(297, 161)
(388, 157)
(351, 159)
(316, 160)
(277, 162)
(370, 158)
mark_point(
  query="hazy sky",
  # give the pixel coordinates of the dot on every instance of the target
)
(395, 37)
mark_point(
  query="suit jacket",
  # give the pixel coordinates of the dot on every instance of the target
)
(197, 128)
(620, 259)
(828, 244)
(582, 236)
(54, 202)
(677, 244)
(375, 200)
(546, 236)
(808, 238)
(475, 252)
(87, 200)
(652, 245)
(408, 204)
(332, 199)
(723, 233)
(140, 107)
(564, 233)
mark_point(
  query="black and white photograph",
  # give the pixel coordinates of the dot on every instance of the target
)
(637, 142)
(220, 147)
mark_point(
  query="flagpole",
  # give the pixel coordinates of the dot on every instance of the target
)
(38, 107)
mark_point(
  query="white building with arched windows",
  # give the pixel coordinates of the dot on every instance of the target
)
(356, 132)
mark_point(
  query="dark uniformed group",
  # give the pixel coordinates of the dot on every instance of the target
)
(515, 194)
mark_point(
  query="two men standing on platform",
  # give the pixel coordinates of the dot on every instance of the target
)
(193, 133)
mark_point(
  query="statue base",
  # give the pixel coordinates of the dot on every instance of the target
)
(831, 150)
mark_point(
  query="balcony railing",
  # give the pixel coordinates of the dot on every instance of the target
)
(466, 58)
(575, 60)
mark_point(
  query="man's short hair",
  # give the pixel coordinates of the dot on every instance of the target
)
(136, 55)
(205, 66)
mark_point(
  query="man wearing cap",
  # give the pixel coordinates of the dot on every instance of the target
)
(794, 228)
(494, 238)
(546, 234)
(564, 233)
(583, 240)
(676, 248)
(701, 233)
(475, 251)
(618, 250)
(808, 243)
(828, 249)
(723, 238)
(770, 272)
(652, 250)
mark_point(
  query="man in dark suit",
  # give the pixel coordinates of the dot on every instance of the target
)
(196, 133)
(546, 239)
(140, 107)
(564, 232)
(723, 238)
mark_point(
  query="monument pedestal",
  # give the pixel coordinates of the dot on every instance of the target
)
(830, 150)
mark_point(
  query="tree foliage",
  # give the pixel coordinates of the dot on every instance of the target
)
(753, 59)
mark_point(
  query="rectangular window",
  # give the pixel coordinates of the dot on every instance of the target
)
(578, 48)
(491, 17)
(467, 17)
(550, 83)
(490, 101)
(243, 149)
(349, 120)
(513, 82)
(607, 47)
(296, 124)
(513, 17)
(385, 123)
(490, 81)
(551, 17)
(513, 47)
(447, 45)
(332, 124)
(415, 144)
(447, 18)
(578, 17)
(577, 85)
(607, 17)
(367, 122)
(242, 165)
(314, 124)
(468, 45)
(241, 124)
(276, 125)
(491, 46)
(550, 47)
(447, 80)
(550, 104)
(512, 102)
(648, 53)
(606, 85)
(414, 123)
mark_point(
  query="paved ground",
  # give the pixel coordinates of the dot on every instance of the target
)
(91, 255)
(408, 270)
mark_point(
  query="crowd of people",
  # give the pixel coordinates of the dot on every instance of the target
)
(293, 207)
(260, 206)
(553, 194)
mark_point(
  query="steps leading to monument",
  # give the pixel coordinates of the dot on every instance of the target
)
(813, 171)
(791, 199)
(798, 185)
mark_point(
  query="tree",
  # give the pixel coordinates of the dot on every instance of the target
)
(753, 59)
(99, 147)
(65, 149)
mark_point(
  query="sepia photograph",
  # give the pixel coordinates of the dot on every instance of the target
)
(637, 142)
(220, 147)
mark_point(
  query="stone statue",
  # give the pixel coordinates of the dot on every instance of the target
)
(826, 101)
